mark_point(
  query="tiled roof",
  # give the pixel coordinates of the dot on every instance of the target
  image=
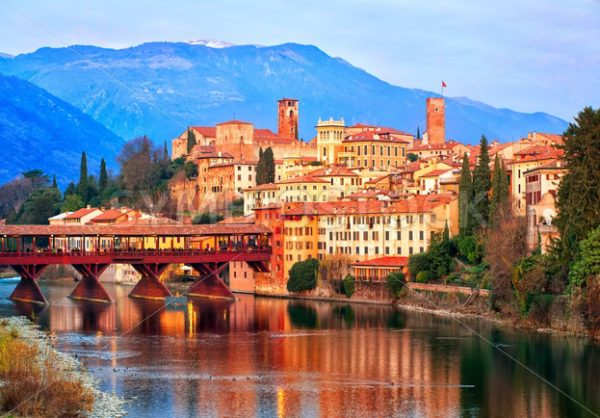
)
(303, 179)
(234, 122)
(78, 214)
(266, 186)
(333, 171)
(206, 131)
(390, 261)
(110, 215)
(236, 220)
(132, 230)
(379, 129)
(437, 173)
(375, 137)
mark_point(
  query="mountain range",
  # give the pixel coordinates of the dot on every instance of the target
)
(41, 131)
(160, 88)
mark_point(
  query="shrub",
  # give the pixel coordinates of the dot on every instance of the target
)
(469, 249)
(349, 285)
(207, 218)
(303, 276)
(418, 262)
(587, 262)
(453, 278)
(33, 386)
(394, 282)
(424, 276)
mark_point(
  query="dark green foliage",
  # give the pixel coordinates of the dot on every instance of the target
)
(103, 177)
(412, 157)
(349, 285)
(499, 199)
(165, 152)
(236, 208)
(303, 276)
(37, 177)
(191, 140)
(315, 163)
(394, 282)
(465, 198)
(71, 203)
(469, 249)
(481, 185)
(261, 171)
(269, 165)
(207, 218)
(41, 204)
(418, 262)
(578, 201)
(191, 170)
(418, 132)
(71, 189)
(82, 186)
(587, 261)
(423, 277)
(54, 183)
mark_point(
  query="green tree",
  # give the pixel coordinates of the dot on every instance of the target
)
(71, 189)
(269, 166)
(191, 140)
(41, 204)
(72, 203)
(82, 186)
(190, 169)
(394, 283)
(412, 157)
(349, 284)
(103, 177)
(578, 201)
(303, 276)
(261, 170)
(587, 262)
(165, 152)
(37, 177)
(482, 184)
(418, 132)
(207, 218)
(54, 183)
(465, 198)
(499, 199)
(418, 262)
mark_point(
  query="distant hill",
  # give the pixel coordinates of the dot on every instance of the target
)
(39, 130)
(160, 88)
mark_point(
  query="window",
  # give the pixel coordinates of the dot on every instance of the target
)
(410, 236)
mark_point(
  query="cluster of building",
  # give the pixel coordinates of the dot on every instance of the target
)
(372, 195)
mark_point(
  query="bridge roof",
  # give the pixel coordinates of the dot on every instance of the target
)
(133, 230)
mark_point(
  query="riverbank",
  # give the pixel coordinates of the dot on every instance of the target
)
(21, 330)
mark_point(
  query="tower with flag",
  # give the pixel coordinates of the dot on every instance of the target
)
(443, 87)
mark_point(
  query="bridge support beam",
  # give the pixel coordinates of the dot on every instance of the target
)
(27, 289)
(150, 285)
(209, 285)
(90, 288)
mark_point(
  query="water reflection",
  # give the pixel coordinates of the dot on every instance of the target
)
(273, 357)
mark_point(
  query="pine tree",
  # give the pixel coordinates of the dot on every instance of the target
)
(499, 198)
(578, 201)
(465, 196)
(83, 178)
(54, 184)
(482, 184)
(418, 132)
(261, 174)
(103, 177)
(269, 166)
(191, 140)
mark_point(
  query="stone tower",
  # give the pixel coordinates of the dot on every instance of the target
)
(436, 121)
(288, 118)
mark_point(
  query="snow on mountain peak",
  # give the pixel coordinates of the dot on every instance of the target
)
(211, 43)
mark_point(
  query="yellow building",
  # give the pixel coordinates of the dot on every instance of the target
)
(330, 134)
(373, 150)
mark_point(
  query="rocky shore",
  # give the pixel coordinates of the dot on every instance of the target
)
(106, 405)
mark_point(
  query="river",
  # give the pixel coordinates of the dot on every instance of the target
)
(275, 357)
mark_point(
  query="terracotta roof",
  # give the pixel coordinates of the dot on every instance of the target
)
(437, 173)
(378, 179)
(384, 137)
(78, 214)
(367, 194)
(234, 122)
(267, 135)
(390, 261)
(132, 230)
(303, 179)
(110, 215)
(236, 220)
(379, 129)
(333, 171)
(206, 131)
(266, 186)
(555, 165)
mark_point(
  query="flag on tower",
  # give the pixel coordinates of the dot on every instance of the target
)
(443, 84)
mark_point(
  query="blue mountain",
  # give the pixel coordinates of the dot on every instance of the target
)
(39, 130)
(160, 88)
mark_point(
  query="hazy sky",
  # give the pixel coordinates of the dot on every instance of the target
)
(525, 55)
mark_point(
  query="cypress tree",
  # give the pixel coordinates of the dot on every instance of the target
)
(54, 184)
(578, 200)
(103, 177)
(261, 174)
(269, 166)
(482, 184)
(165, 152)
(418, 133)
(191, 140)
(83, 178)
(465, 196)
(499, 199)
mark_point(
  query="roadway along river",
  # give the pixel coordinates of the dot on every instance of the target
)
(273, 357)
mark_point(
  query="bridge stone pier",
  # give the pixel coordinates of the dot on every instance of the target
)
(149, 249)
